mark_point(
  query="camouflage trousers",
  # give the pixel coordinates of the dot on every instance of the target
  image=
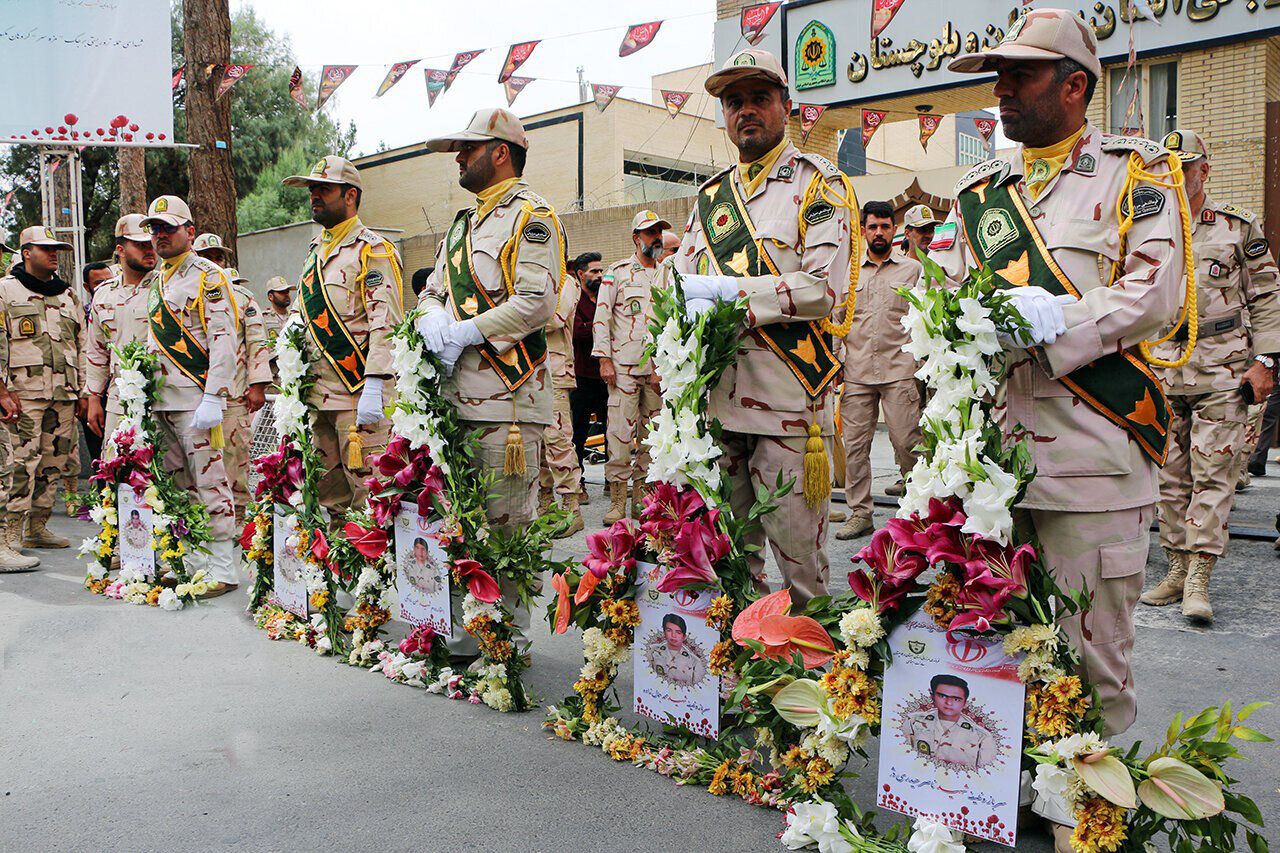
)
(632, 403)
(796, 531)
(6, 468)
(1198, 480)
(859, 410)
(197, 467)
(42, 455)
(1105, 553)
(560, 460)
(237, 425)
(342, 487)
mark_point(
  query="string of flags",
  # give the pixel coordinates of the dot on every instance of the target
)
(928, 123)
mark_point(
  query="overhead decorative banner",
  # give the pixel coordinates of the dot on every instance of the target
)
(231, 75)
(986, 127)
(178, 76)
(514, 86)
(393, 76)
(460, 61)
(438, 80)
(755, 18)
(882, 12)
(871, 120)
(295, 88)
(516, 56)
(331, 77)
(928, 127)
(809, 115)
(604, 94)
(674, 101)
(815, 57)
(638, 36)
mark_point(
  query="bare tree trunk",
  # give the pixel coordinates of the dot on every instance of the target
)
(133, 180)
(207, 42)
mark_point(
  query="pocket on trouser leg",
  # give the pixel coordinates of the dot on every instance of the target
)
(1121, 566)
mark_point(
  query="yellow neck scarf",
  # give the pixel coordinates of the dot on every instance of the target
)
(1040, 165)
(169, 266)
(331, 238)
(754, 173)
(487, 199)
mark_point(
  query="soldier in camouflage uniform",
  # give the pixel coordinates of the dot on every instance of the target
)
(192, 328)
(487, 304)
(624, 306)
(775, 229)
(42, 338)
(351, 296)
(279, 298)
(1238, 303)
(560, 471)
(248, 392)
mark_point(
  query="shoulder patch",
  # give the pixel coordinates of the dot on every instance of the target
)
(944, 236)
(820, 211)
(965, 726)
(368, 235)
(250, 311)
(1238, 212)
(372, 278)
(978, 172)
(1256, 248)
(536, 232)
(1148, 150)
(1147, 201)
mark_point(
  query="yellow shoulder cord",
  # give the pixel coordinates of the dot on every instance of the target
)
(366, 253)
(1172, 179)
(217, 439)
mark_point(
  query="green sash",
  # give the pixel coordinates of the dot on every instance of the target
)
(735, 251)
(1119, 386)
(517, 364)
(330, 335)
(174, 340)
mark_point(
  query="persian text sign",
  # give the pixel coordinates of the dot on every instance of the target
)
(97, 71)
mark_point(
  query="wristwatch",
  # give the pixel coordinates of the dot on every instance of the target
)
(1266, 361)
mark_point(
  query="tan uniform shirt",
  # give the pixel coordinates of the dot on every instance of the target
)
(682, 667)
(117, 317)
(873, 352)
(475, 387)
(963, 742)
(272, 323)
(1235, 278)
(1084, 462)
(199, 295)
(759, 394)
(370, 305)
(253, 365)
(560, 337)
(624, 307)
(42, 339)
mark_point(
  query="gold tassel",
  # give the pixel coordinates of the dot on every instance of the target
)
(817, 468)
(216, 439)
(514, 465)
(355, 449)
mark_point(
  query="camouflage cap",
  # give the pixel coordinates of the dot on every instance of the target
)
(277, 284)
(328, 170)
(1041, 34)
(647, 219)
(744, 65)
(1187, 144)
(40, 235)
(170, 210)
(130, 227)
(493, 123)
(210, 242)
(920, 216)
(234, 274)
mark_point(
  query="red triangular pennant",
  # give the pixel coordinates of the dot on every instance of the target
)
(928, 127)
(177, 77)
(460, 61)
(295, 88)
(514, 86)
(393, 76)
(604, 94)
(754, 19)
(331, 77)
(638, 37)
(986, 127)
(674, 101)
(809, 115)
(882, 12)
(871, 120)
(438, 80)
(516, 56)
(231, 75)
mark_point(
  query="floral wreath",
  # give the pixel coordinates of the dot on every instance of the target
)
(179, 526)
(803, 690)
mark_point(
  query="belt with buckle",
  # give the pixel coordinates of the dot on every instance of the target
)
(1212, 327)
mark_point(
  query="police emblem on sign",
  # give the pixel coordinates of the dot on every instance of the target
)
(996, 230)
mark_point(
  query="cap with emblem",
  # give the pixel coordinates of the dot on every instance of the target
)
(39, 235)
(234, 275)
(920, 216)
(494, 123)
(745, 65)
(278, 284)
(130, 227)
(207, 242)
(1041, 34)
(328, 170)
(170, 210)
(647, 219)
(1187, 144)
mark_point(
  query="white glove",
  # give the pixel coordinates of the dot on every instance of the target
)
(458, 337)
(432, 326)
(696, 306)
(209, 413)
(1043, 312)
(718, 287)
(369, 406)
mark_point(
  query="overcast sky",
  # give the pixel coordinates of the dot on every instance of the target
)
(374, 34)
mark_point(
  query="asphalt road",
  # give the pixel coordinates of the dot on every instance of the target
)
(127, 728)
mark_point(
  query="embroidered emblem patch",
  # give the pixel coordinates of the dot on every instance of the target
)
(722, 222)
(1146, 202)
(996, 230)
(536, 232)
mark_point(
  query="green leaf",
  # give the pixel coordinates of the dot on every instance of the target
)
(1243, 806)
(1247, 711)
(1251, 735)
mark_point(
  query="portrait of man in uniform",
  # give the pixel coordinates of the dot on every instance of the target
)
(673, 657)
(422, 571)
(945, 732)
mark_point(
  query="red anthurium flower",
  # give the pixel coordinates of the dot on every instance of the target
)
(371, 544)
(586, 585)
(746, 626)
(561, 585)
(479, 582)
(320, 547)
(803, 634)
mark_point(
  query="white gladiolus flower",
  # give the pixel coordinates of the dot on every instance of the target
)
(989, 505)
(929, 836)
(811, 823)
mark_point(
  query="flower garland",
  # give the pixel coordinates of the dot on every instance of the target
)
(179, 526)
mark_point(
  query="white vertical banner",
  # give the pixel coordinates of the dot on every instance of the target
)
(86, 71)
